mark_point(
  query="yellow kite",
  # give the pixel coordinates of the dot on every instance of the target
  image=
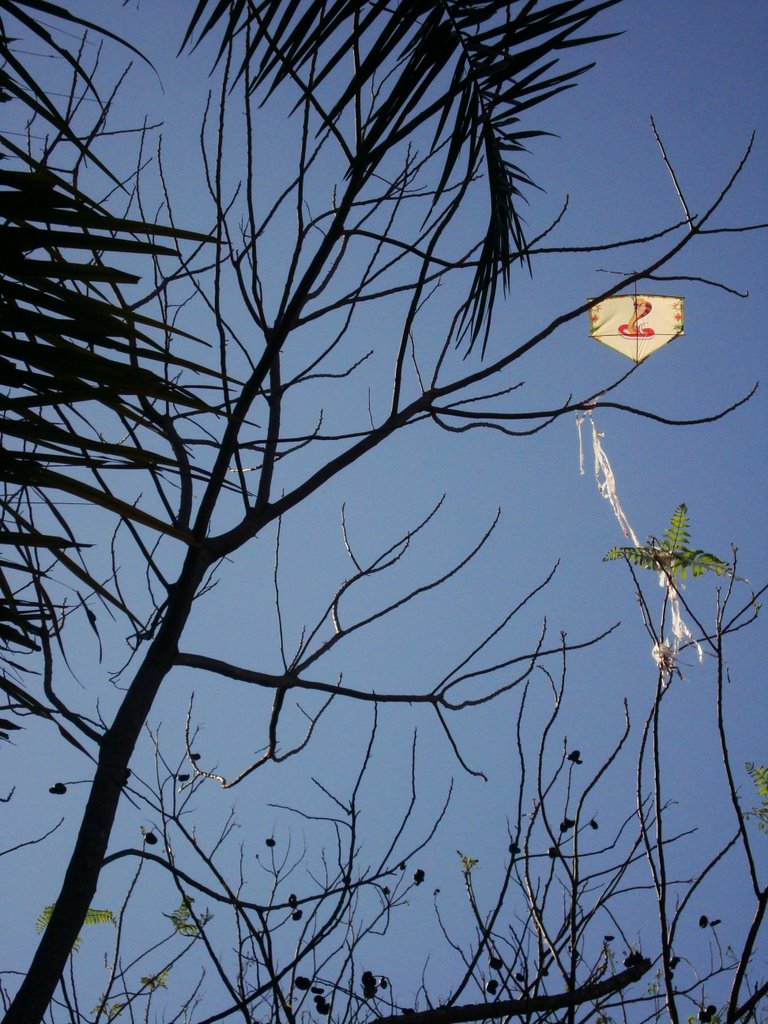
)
(637, 325)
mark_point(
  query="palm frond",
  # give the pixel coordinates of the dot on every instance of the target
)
(61, 341)
(72, 354)
(25, 87)
(469, 69)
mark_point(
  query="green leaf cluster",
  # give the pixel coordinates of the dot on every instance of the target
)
(93, 916)
(155, 981)
(759, 776)
(672, 555)
(182, 920)
(467, 863)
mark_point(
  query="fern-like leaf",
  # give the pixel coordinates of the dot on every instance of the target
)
(641, 557)
(182, 920)
(671, 555)
(677, 534)
(92, 916)
(759, 775)
(155, 981)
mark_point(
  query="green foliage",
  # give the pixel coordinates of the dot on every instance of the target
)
(672, 554)
(155, 981)
(759, 775)
(467, 863)
(111, 1012)
(93, 916)
(182, 921)
(149, 984)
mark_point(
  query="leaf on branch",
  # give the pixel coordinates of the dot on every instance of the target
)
(759, 776)
(182, 920)
(672, 555)
(155, 981)
(92, 916)
(467, 863)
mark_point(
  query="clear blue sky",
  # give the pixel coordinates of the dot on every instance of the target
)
(697, 68)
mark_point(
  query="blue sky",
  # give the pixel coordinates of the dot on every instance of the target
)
(696, 68)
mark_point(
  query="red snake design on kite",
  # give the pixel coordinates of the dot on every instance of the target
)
(631, 330)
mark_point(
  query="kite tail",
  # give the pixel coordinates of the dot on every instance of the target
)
(664, 653)
(606, 484)
(579, 421)
(680, 630)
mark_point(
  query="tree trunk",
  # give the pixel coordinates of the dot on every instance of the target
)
(117, 745)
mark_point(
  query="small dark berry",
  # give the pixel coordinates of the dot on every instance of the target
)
(369, 984)
(302, 983)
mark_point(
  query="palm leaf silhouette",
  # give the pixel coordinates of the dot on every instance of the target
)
(71, 353)
(467, 70)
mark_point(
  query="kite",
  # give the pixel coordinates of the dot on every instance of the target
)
(637, 325)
